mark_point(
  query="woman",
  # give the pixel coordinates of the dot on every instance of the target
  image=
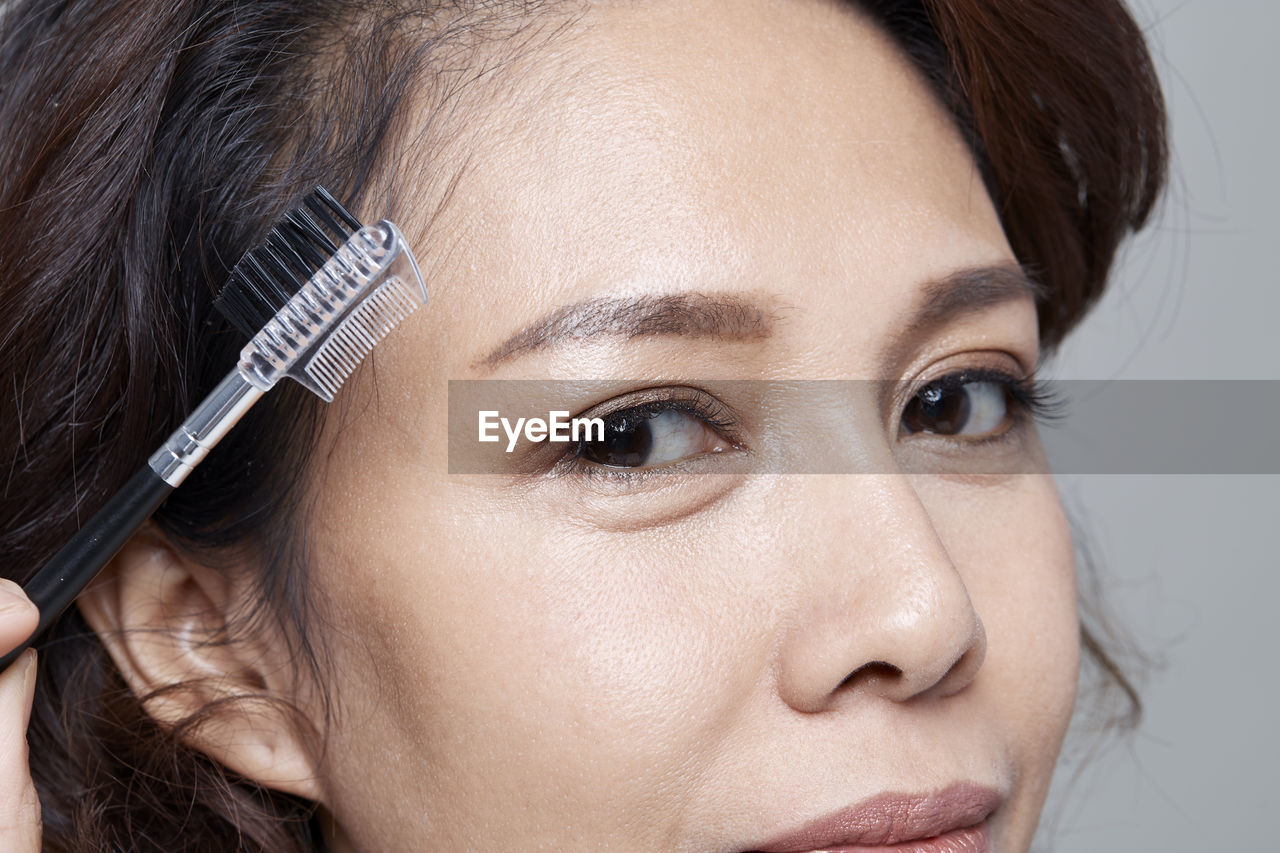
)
(326, 640)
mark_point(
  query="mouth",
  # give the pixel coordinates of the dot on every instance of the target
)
(953, 820)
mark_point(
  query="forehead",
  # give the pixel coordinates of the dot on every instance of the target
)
(660, 146)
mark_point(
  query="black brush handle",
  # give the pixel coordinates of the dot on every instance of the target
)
(65, 576)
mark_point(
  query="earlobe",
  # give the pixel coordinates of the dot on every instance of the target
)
(167, 622)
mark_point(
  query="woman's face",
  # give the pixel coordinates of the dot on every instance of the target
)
(711, 660)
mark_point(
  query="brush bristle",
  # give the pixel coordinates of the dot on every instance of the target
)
(269, 275)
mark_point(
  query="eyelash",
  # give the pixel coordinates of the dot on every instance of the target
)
(689, 401)
(1031, 400)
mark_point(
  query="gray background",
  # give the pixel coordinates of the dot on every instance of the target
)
(1190, 564)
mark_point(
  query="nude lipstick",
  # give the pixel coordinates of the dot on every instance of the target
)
(949, 821)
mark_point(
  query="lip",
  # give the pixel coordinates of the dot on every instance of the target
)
(951, 820)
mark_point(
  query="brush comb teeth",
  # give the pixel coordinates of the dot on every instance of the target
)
(368, 323)
(319, 294)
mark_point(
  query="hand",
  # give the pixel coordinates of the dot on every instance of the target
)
(19, 806)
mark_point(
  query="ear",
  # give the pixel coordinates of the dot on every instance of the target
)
(166, 622)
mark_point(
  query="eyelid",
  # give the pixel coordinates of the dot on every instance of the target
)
(665, 397)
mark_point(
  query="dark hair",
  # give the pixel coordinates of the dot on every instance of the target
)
(147, 145)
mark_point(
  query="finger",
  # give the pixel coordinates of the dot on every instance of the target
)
(18, 616)
(19, 805)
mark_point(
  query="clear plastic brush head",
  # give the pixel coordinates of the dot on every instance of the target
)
(330, 325)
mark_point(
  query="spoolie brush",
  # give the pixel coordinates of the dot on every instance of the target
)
(316, 297)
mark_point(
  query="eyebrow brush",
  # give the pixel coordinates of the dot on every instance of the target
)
(316, 297)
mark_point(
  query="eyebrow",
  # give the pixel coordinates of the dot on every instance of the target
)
(962, 293)
(737, 318)
(694, 315)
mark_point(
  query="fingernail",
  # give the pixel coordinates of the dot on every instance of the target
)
(12, 596)
(28, 685)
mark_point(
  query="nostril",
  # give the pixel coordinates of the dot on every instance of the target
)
(876, 670)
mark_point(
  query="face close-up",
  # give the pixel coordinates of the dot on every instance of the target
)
(711, 660)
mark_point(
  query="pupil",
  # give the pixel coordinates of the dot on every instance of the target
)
(626, 444)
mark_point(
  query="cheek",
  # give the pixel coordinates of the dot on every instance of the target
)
(541, 663)
(1012, 544)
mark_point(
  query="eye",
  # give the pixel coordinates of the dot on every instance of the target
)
(654, 434)
(965, 405)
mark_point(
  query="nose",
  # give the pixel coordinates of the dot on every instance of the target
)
(883, 609)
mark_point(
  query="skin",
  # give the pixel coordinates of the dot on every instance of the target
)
(695, 663)
(19, 805)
